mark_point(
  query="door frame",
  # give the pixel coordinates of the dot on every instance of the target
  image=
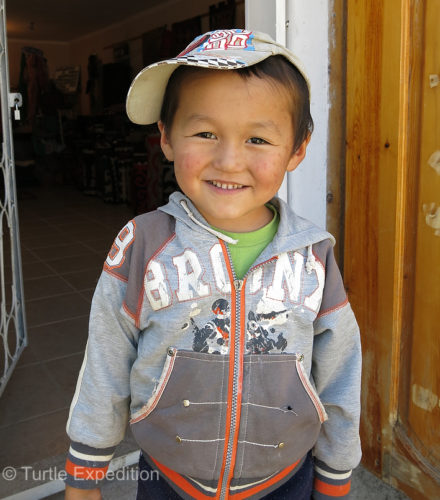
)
(384, 89)
(13, 332)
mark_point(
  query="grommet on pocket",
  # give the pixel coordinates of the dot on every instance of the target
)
(178, 439)
(171, 351)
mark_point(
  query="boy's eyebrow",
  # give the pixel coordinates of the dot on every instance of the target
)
(263, 124)
(196, 117)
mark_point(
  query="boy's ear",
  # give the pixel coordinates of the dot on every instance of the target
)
(299, 155)
(165, 142)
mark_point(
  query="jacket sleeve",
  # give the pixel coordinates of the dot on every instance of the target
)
(336, 371)
(99, 411)
(100, 408)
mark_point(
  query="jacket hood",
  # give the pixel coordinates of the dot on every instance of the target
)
(294, 232)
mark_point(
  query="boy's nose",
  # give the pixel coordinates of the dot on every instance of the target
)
(229, 157)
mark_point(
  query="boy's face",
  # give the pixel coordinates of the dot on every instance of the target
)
(231, 142)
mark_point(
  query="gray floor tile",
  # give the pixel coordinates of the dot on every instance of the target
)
(81, 262)
(48, 310)
(83, 280)
(64, 372)
(35, 270)
(31, 392)
(60, 250)
(59, 339)
(47, 286)
(33, 440)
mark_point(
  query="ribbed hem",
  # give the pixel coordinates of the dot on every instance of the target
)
(86, 466)
(190, 488)
(330, 483)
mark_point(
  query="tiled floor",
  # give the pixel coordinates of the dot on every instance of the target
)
(64, 239)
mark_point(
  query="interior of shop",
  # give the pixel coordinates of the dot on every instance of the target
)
(82, 171)
(73, 129)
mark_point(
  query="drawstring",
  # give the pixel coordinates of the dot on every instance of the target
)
(208, 228)
(311, 261)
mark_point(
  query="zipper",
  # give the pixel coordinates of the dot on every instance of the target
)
(234, 421)
(238, 285)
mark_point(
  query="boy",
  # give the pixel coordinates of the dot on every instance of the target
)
(220, 321)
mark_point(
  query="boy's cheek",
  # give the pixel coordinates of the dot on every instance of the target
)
(188, 162)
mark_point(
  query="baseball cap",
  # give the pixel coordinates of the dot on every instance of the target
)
(220, 49)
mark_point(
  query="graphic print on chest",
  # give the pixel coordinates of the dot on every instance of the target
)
(262, 335)
(283, 282)
(213, 336)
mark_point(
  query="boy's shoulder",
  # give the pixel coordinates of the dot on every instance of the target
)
(299, 232)
(137, 242)
(157, 223)
(323, 250)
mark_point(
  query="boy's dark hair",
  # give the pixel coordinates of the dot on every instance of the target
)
(277, 68)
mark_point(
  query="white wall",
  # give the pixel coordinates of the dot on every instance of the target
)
(303, 28)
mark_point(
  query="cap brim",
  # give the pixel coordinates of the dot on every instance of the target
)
(145, 95)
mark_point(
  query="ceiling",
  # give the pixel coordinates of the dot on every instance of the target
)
(67, 20)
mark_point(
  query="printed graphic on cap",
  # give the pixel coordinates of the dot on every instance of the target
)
(221, 40)
(204, 61)
(194, 44)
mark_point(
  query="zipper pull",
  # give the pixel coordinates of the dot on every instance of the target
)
(238, 285)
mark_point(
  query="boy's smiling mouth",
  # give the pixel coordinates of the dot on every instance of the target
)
(224, 185)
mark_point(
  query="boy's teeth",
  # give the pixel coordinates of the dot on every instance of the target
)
(226, 186)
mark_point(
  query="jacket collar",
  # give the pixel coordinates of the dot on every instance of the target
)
(294, 232)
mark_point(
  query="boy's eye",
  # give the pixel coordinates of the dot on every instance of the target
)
(206, 135)
(257, 140)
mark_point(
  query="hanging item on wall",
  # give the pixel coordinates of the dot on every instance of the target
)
(67, 79)
(222, 15)
(34, 79)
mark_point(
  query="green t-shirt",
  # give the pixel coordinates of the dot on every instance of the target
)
(250, 245)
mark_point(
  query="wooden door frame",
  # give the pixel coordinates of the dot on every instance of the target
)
(383, 92)
(337, 115)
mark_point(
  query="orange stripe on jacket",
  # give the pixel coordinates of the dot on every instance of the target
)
(332, 490)
(187, 487)
(266, 484)
(180, 481)
(82, 472)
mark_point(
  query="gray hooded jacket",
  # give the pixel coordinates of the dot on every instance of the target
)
(226, 383)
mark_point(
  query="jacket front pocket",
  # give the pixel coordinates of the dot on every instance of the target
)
(281, 415)
(182, 424)
(157, 393)
(310, 390)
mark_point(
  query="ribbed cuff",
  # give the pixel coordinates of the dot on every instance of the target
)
(86, 466)
(330, 483)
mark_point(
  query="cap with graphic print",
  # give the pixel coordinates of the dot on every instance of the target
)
(221, 49)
